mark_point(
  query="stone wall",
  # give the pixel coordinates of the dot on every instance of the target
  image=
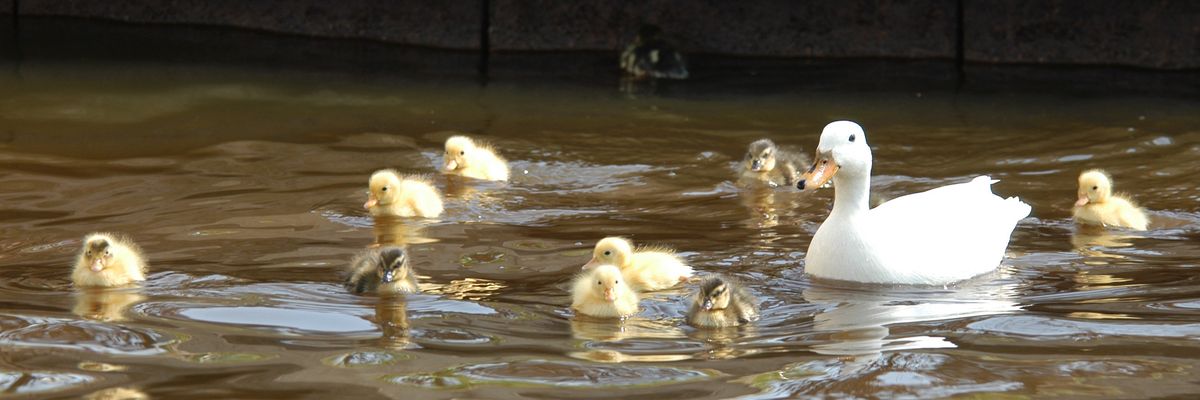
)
(1145, 33)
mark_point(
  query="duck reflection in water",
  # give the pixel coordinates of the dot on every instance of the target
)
(103, 304)
(1092, 241)
(399, 232)
(391, 315)
(858, 321)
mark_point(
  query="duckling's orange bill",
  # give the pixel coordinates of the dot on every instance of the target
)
(610, 294)
(97, 265)
(451, 165)
(371, 202)
(591, 264)
(1083, 200)
(820, 173)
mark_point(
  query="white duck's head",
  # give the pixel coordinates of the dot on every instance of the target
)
(843, 152)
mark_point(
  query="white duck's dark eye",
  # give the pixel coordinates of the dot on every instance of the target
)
(616, 282)
(599, 283)
(1095, 187)
(851, 138)
(608, 252)
(462, 153)
(383, 189)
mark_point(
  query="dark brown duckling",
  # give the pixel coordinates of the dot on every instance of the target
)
(722, 302)
(767, 163)
(383, 270)
(652, 56)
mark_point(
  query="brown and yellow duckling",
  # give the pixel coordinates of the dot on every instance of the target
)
(395, 195)
(473, 160)
(384, 270)
(652, 56)
(721, 302)
(647, 268)
(603, 293)
(1098, 205)
(767, 163)
(108, 260)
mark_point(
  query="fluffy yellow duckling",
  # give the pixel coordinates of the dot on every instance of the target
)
(602, 292)
(467, 158)
(392, 194)
(722, 302)
(1099, 206)
(108, 260)
(652, 56)
(383, 271)
(768, 164)
(647, 269)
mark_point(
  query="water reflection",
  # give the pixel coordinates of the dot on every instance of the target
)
(391, 316)
(105, 304)
(1095, 242)
(858, 321)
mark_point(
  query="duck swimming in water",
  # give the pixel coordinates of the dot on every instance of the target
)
(721, 302)
(382, 270)
(767, 163)
(939, 236)
(466, 158)
(651, 56)
(108, 260)
(1098, 205)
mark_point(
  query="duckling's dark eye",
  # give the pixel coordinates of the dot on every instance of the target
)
(599, 283)
(87, 253)
(616, 282)
(608, 252)
(1095, 187)
(384, 189)
(462, 153)
(851, 138)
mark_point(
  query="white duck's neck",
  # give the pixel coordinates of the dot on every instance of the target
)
(851, 192)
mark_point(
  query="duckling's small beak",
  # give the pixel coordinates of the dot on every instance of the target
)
(819, 174)
(591, 264)
(389, 276)
(708, 305)
(97, 266)
(371, 202)
(610, 295)
(756, 165)
(451, 165)
(1083, 200)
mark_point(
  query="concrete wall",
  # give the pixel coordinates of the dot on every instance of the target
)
(1144, 33)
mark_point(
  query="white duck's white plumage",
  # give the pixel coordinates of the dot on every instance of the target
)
(935, 237)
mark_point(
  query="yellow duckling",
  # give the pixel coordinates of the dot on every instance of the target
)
(382, 270)
(1099, 206)
(467, 158)
(651, 56)
(602, 292)
(647, 269)
(766, 163)
(392, 194)
(721, 302)
(108, 260)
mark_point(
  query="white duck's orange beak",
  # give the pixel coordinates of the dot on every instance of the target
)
(97, 265)
(451, 165)
(371, 202)
(819, 174)
(1083, 200)
(591, 264)
(610, 295)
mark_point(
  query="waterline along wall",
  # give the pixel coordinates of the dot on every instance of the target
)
(1156, 34)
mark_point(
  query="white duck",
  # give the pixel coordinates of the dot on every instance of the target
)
(935, 237)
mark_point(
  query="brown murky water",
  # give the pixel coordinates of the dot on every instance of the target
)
(245, 188)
